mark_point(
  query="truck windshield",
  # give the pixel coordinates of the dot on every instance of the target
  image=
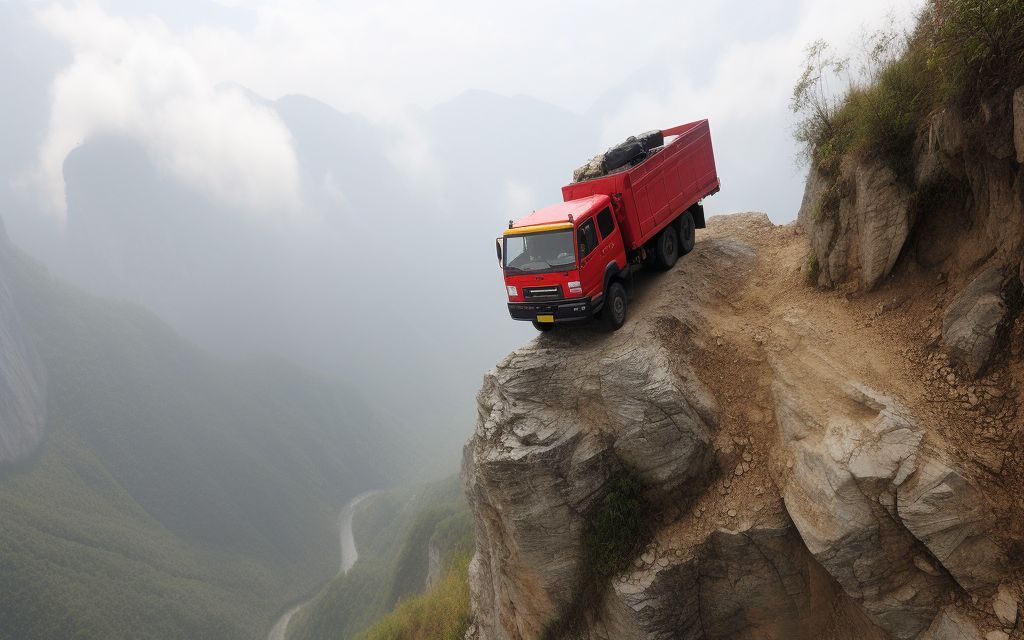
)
(536, 252)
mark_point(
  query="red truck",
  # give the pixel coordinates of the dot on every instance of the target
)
(574, 261)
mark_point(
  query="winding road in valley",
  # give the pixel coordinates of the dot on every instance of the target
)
(349, 555)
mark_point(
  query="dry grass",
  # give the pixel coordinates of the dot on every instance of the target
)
(442, 613)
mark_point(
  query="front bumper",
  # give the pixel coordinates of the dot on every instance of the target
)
(569, 310)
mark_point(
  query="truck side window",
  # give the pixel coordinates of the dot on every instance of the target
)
(606, 223)
(586, 236)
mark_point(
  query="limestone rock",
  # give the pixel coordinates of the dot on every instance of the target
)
(556, 420)
(971, 324)
(851, 447)
(952, 518)
(952, 624)
(1005, 606)
(997, 635)
(755, 582)
(863, 236)
(594, 168)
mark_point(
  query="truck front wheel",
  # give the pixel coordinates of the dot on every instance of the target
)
(613, 314)
(666, 249)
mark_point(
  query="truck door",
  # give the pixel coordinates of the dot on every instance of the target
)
(589, 258)
(611, 246)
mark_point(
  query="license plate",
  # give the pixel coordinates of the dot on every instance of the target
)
(545, 318)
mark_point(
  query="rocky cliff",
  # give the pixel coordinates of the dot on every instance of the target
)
(22, 376)
(957, 214)
(813, 463)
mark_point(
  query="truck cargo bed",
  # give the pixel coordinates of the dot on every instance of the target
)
(656, 191)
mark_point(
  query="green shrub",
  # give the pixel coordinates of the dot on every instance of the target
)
(977, 47)
(812, 267)
(619, 528)
(960, 51)
(442, 613)
(616, 533)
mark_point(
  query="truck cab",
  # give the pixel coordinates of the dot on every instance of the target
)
(559, 262)
(574, 260)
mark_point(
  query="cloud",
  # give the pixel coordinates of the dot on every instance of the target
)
(136, 78)
(145, 79)
(746, 97)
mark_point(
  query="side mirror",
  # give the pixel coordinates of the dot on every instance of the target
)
(497, 245)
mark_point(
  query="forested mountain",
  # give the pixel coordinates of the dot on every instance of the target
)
(168, 493)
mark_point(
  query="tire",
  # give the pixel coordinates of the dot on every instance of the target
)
(687, 233)
(613, 313)
(651, 140)
(543, 327)
(622, 154)
(666, 248)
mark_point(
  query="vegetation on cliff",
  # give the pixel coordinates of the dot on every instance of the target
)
(175, 495)
(395, 532)
(960, 52)
(442, 613)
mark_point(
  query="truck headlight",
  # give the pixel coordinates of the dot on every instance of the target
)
(575, 287)
(512, 291)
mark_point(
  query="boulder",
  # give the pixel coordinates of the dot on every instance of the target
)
(1005, 606)
(757, 581)
(972, 322)
(594, 168)
(880, 511)
(952, 624)
(951, 516)
(862, 235)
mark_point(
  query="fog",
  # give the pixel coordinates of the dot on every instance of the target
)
(323, 181)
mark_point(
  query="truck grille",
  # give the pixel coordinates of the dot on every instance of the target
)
(542, 293)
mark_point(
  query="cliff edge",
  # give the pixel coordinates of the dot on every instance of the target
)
(808, 463)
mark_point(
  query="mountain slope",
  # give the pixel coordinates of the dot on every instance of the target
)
(406, 539)
(174, 495)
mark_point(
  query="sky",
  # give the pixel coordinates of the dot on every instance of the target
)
(306, 178)
(169, 73)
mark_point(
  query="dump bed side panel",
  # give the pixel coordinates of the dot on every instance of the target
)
(663, 186)
(617, 183)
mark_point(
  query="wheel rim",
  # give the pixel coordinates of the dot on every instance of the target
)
(670, 246)
(619, 308)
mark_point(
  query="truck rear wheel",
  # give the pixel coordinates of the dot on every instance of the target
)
(543, 326)
(666, 249)
(613, 313)
(687, 233)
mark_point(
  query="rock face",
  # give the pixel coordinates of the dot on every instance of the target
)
(794, 492)
(972, 322)
(557, 419)
(757, 581)
(860, 236)
(952, 624)
(888, 517)
(964, 198)
(22, 377)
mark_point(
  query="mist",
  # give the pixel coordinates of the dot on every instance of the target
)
(266, 192)
(248, 281)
